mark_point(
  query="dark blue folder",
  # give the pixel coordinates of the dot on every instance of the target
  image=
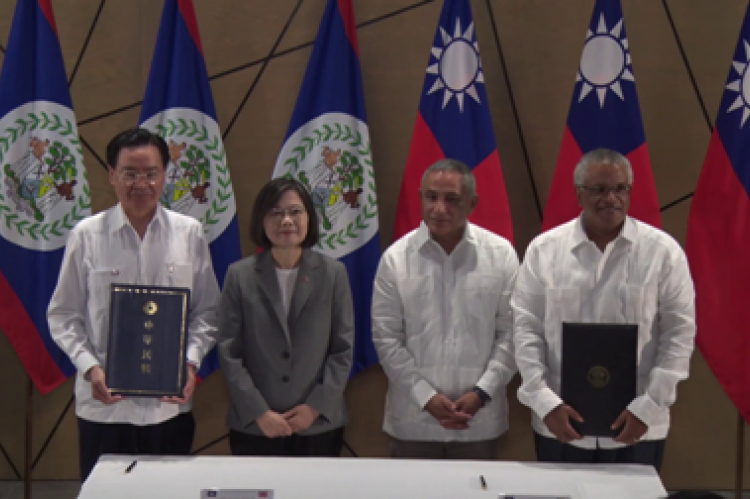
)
(147, 340)
(599, 373)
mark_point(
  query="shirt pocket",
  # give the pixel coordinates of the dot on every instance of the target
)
(100, 291)
(642, 308)
(418, 299)
(641, 303)
(480, 297)
(100, 283)
(477, 299)
(561, 305)
(179, 275)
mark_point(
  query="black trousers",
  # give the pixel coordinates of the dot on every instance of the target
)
(553, 451)
(172, 437)
(328, 444)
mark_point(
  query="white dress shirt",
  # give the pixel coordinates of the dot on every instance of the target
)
(105, 249)
(642, 278)
(442, 323)
(286, 278)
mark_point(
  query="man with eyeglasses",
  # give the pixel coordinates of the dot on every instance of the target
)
(441, 323)
(135, 242)
(603, 267)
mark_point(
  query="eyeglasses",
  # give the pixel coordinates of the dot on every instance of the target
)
(599, 191)
(130, 177)
(279, 214)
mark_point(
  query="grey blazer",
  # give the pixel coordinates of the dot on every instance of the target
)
(263, 370)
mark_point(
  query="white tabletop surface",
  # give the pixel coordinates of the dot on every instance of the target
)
(350, 478)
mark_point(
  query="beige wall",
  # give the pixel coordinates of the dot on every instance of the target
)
(541, 41)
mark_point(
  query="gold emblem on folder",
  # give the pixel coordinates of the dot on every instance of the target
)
(150, 308)
(598, 376)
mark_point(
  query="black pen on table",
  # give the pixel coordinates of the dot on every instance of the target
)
(132, 465)
(484, 484)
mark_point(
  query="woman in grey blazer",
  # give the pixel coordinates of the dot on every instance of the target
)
(286, 332)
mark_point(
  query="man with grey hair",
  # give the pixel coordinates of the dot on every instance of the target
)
(603, 267)
(441, 324)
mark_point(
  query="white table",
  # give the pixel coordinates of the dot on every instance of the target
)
(357, 478)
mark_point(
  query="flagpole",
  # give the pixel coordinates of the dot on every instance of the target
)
(740, 455)
(27, 454)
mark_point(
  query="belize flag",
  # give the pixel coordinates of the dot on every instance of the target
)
(718, 237)
(43, 187)
(604, 113)
(179, 106)
(327, 148)
(454, 121)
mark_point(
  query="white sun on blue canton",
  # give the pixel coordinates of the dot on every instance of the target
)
(458, 67)
(605, 62)
(741, 86)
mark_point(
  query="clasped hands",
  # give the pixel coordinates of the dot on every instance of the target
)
(275, 425)
(454, 415)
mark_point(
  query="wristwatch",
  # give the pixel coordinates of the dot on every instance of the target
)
(483, 396)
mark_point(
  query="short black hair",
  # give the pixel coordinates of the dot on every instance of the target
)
(267, 199)
(136, 137)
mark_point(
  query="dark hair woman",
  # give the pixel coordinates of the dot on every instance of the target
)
(286, 332)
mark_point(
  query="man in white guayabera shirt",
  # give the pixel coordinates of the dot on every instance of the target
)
(441, 323)
(135, 242)
(603, 267)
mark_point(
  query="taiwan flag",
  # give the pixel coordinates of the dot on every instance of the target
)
(604, 113)
(327, 148)
(179, 106)
(453, 121)
(43, 188)
(718, 237)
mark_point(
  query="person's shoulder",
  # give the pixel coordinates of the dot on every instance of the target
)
(244, 264)
(93, 224)
(553, 236)
(402, 244)
(181, 221)
(328, 263)
(489, 239)
(323, 259)
(395, 255)
(241, 271)
(657, 238)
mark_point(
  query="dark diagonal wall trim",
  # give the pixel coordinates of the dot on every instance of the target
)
(513, 106)
(676, 202)
(92, 151)
(86, 43)
(109, 113)
(262, 70)
(694, 83)
(250, 64)
(10, 462)
(209, 444)
(52, 432)
(395, 13)
(687, 65)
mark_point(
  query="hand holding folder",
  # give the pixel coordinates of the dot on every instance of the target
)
(558, 421)
(187, 391)
(630, 429)
(99, 388)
